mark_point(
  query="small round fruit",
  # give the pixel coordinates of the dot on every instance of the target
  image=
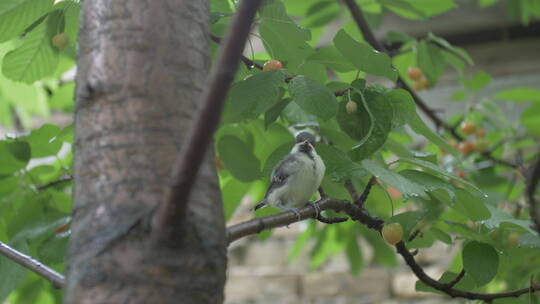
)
(60, 41)
(466, 147)
(468, 127)
(394, 193)
(414, 73)
(481, 145)
(272, 65)
(424, 82)
(460, 173)
(417, 85)
(513, 239)
(351, 107)
(392, 233)
(481, 133)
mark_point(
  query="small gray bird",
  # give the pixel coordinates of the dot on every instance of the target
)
(296, 177)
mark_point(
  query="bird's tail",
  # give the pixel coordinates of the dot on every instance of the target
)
(259, 205)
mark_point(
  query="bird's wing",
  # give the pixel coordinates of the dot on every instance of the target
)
(282, 171)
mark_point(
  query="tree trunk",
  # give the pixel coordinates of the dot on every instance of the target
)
(142, 66)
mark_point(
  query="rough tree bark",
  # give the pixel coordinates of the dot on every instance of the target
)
(142, 65)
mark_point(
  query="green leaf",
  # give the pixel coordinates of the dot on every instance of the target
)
(273, 113)
(338, 164)
(274, 158)
(431, 8)
(403, 8)
(53, 250)
(436, 169)
(17, 15)
(474, 207)
(358, 125)
(529, 118)
(14, 156)
(477, 81)
(430, 182)
(36, 57)
(382, 113)
(354, 255)
(481, 261)
(408, 221)
(313, 97)
(71, 11)
(331, 58)
(463, 55)
(364, 57)
(281, 36)
(519, 94)
(441, 235)
(419, 126)
(238, 159)
(41, 141)
(257, 94)
(232, 192)
(403, 106)
(430, 60)
(408, 187)
(499, 217)
(12, 273)
(313, 70)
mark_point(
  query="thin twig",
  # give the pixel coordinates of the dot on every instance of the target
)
(363, 197)
(34, 265)
(352, 191)
(530, 191)
(63, 179)
(456, 280)
(184, 170)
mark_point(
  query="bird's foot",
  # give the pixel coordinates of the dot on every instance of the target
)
(316, 207)
(295, 211)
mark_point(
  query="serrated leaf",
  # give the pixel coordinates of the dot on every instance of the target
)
(313, 97)
(407, 187)
(285, 41)
(273, 113)
(430, 60)
(364, 57)
(41, 141)
(481, 261)
(331, 58)
(519, 94)
(36, 57)
(430, 182)
(420, 127)
(14, 156)
(453, 49)
(238, 159)
(232, 192)
(403, 106)
(382, 113)
(474, 207)
(499, 217)
(255, 95)
(338, 164)
(436, 169)
(477, 81)
(17, 15)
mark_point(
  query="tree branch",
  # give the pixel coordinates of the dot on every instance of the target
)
(456, 279)
(187, 164)
(63, 179)
(248, 62)
(32, 264)
(530, 191)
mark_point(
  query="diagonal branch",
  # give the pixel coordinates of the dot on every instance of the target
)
(187, 164)
(34, 265)
(530, 191)
(63, 179)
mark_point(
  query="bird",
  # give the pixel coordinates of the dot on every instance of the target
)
(296, 177)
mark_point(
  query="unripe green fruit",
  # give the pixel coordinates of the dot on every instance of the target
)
(60, 41)
(351, 107)
(392, 233)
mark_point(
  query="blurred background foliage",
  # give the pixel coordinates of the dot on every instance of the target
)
(450, 191)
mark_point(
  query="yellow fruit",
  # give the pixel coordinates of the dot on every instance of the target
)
(468, 127)
(481, 133)
(272, 65)
(351, 107)
(513, 239)
(392, 233)
(466, 147)
(414, 73)
(60, 41)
